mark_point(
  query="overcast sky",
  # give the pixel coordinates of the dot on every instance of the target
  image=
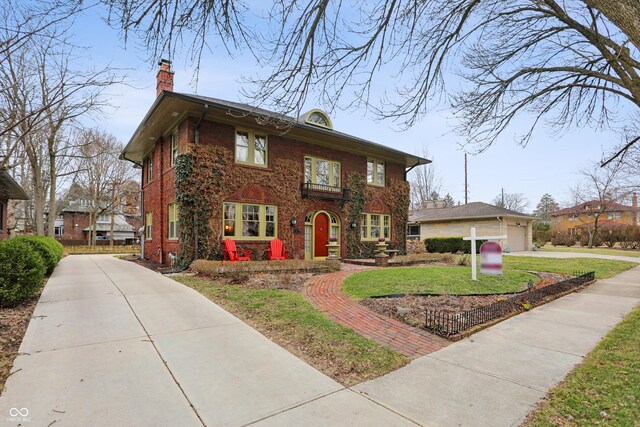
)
(547, 165)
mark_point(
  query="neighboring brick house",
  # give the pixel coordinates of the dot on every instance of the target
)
(579, 218)
(488, 220)
(307, 164)
(73, 224)
(9, 190)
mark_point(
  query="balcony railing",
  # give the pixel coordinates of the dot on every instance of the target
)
(321, 191)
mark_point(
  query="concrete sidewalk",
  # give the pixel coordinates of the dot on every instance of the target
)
(564, 255)
(495, 377)
(114, 344)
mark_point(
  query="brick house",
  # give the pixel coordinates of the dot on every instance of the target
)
(489, 220)
(9, 190)
(262, 176)
(579, 218)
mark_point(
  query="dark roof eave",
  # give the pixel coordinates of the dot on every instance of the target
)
(411, 160)
(10, 188)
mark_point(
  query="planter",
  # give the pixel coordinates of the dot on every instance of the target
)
(381, 247)
(333, 248)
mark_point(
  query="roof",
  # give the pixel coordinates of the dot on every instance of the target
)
(120, 224)
(473, 210)
(594, 205)
(170, 107)
(10, 189)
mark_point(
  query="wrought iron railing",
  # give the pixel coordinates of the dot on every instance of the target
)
(448, 324)
(322, 191)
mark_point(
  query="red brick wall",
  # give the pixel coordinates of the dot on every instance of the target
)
(70, 219)
(159, 192)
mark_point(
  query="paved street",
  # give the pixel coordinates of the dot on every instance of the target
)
(112, 343)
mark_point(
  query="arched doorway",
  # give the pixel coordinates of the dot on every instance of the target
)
(319, 226)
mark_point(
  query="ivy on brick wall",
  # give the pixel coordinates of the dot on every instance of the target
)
(395, 195)
(208, 176)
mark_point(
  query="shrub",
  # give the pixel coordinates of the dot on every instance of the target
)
(239, 271)
(610, 236)
(450, 245)
(584, 240)
(630, 237)
(49, 249)
(21, 271)
(415, 246)
(541, 237)
(563, 239)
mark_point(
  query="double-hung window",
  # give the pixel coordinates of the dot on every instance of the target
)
(325, 174)
(249, 221)
(150, 167)
(173, 150)
(251, 148)
(148, 218)
(375, 172)
(173, 220)
(374, 226)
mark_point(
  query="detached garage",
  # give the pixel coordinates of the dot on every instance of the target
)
(457, 221)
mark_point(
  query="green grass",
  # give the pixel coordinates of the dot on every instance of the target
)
(457, 280)
(291, 321)
(432, 280)
(608, 380)
(598, 251)
(604, 268)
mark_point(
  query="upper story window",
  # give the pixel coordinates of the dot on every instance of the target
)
(375, 172)
(374, 226)
(317, 118)
(150, 167)
(173, 150)
(251, 148)
(322, 172)
(573, 217)
(249, 221)
(614, 215)
(103, 218)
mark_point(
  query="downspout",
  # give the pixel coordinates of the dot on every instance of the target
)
(501, 234)
(196, 141)
(406, 171)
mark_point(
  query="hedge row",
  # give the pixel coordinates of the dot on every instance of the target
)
(213, 268)
(450, 245)
(24, 261)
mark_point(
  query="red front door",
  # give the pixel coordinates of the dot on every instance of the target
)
(321, 235)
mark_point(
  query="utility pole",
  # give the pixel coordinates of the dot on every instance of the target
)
(503, 197)
(466, 185)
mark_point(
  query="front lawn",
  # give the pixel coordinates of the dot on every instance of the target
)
(432, 280)
(604, 389)
(457, 280)
(287, 318)
(599, 251)
(604, 268)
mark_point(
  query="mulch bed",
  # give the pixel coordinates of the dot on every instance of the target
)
(410, 309)
(13, 325)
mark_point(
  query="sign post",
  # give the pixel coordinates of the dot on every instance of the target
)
(473, 238)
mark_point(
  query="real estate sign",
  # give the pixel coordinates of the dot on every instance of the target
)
(491, 258)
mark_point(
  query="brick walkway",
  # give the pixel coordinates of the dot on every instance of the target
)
(325, 292)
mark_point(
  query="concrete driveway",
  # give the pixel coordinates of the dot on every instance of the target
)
(114, 344)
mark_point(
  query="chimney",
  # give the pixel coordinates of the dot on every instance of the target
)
(164, 77)
(634, 200)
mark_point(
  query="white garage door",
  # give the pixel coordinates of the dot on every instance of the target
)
(516, 238)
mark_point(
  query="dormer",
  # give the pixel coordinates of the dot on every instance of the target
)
(316, 117)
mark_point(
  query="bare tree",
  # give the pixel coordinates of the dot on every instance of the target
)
(572, 62)
(103, 176)
(600, 189)
(512, 201)
(40, 77)
(425, 184)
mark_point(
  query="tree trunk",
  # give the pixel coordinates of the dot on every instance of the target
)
(625, 14)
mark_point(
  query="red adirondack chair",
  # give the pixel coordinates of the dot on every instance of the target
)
(231, 253)
(277, 251)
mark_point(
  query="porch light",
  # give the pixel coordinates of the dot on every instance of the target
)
(354, 224)
(294, 222)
